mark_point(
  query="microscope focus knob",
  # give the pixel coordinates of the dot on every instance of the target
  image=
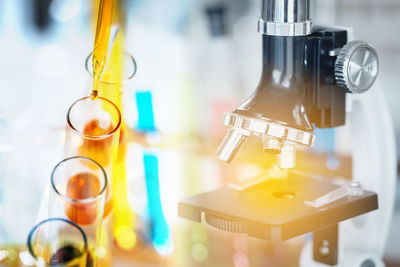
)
(356, 67)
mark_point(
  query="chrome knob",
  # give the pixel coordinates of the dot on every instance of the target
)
(356, 67)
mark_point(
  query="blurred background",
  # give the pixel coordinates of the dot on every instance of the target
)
(196, 59)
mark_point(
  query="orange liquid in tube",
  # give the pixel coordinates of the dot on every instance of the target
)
(83, 185)
(100, 150)
(100, 49)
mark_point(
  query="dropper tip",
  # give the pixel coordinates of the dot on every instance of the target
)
(94, 95)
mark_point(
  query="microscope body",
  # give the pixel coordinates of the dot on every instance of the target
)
(303, 85)
(319, 77)
(311, 77)
(298, 77)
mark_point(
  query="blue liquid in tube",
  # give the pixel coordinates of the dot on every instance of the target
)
(160, 231)
(144, 105)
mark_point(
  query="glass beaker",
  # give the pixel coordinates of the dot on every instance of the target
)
(59, 242)
(78, 192)
(93, 132)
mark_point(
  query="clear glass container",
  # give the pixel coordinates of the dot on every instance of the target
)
(78, 193)
(59, 242)
(119, 72)
(93, 132)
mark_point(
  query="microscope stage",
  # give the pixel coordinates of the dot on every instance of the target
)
(274, 209)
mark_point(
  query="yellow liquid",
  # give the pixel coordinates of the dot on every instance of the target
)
(123, 219)
(100, 49)
(110, 87)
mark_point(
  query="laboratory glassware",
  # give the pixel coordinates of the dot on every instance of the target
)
(113, 83)
(59, 242)
(78, 193)
(93, 132)
(119, 72)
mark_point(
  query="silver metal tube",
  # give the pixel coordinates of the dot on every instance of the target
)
(272, 145)
(285, 10)
(287, 158)
(285, 17)
(230, 145)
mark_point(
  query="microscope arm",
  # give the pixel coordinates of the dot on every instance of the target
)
(362, 239)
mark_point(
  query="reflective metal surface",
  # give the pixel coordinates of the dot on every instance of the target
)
(356, 67)
(231, 144)
(285, 10)
(272, 145)
(285, 17)
(287, 157)
(284, 29)
(265, 127)
(226, 224)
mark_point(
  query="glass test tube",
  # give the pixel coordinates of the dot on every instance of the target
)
(78, 193)
(119, 72)
(93, 132)
(59, 242)
(78, 190)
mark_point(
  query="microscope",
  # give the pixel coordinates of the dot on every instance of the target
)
(312, 77)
